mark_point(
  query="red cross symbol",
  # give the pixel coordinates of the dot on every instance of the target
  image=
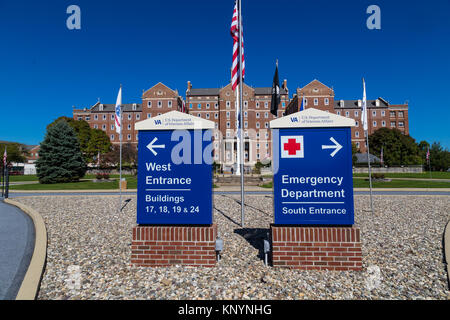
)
(292, 147)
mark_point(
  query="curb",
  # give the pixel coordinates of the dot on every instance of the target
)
(30, 284)
(447, 250)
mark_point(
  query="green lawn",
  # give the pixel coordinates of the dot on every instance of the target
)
(81, 185)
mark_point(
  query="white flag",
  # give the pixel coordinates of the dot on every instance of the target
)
(364, 108)
(118, 113)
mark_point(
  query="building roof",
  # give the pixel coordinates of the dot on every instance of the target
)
(127, 107)
(349, 104)
(216, 91)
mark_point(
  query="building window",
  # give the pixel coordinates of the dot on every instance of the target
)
(159, 104)
(327, 101)
(190, 105)
(257, 125)
(266, 124)
(95, 126)
(95, 117)
(374, 113)
(112, 127)
(257, 115)
(357, 134)
(283, 104)
(401, 124)
(138, 116)
(228, 114)
(104, 117)
(112, 137)
(347, 114)
(316, 101)
(112, 117)
(199, 115)
(266, 114)
(338, 113)
(207, 116)
(216, 105)
(306, 102)
(216, 115)
(228, 124)
(199, 106)
(257, 104)
(245, 114)
(228, 104)
(357, 145)
(149, 115)
(393, 124)
(169, 104)
(383, 113)
(356, 113)
(129, 137)
(245, 124)
(129, 126)
(400, 115)
(149, 104)
(129, 116)
(207, 106)
(266, 104)
(383, 123)
(357, 123)
(392, 114)
(374, 123)
(245, 104)
(104, 127)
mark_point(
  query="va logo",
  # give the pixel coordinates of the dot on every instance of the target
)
(158, 122)
(294, 119)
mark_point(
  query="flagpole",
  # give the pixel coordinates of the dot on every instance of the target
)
(238, 144)
(120, 154)
(367, 142)
(241, 84)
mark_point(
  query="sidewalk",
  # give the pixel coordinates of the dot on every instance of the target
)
(16, 248)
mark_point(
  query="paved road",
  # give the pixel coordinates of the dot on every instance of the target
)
(16, 248)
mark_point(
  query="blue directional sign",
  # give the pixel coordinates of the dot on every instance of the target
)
(174, 177)
(313, 176)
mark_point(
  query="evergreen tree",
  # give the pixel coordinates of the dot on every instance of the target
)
(60, 158)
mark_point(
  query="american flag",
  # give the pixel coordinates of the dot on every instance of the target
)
(235, 34)
(118, 112)
(428, 153)
(183, 106)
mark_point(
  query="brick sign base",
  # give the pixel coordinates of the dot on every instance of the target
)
(316, 248)
(158, 246)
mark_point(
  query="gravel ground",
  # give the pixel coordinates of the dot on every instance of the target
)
(88, 255)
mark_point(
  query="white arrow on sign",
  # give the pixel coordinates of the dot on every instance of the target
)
(336, 147)
(151, 145)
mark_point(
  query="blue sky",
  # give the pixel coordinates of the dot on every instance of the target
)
(45, 68)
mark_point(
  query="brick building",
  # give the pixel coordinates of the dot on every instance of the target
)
(380, 113)
(219, 105)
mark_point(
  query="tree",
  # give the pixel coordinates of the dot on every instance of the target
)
(98, 143)
(60, 158)
(92, 141)
(355, 150)
(439, 157)
(129, 156)
(398, 149)
(15, 153)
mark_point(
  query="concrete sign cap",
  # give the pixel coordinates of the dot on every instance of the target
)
(312, 118)
(174, 120)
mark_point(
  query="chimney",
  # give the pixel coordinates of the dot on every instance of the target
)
(189, 86)
(285, 84)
